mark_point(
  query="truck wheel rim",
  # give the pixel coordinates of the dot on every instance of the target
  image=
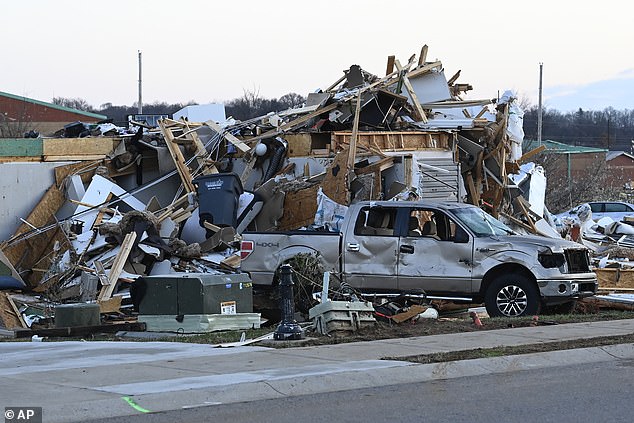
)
(511, 300)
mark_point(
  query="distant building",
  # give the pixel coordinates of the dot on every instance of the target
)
(202, 113)
(148, 119)
(621, 167)
(19, 115)
(579, 160)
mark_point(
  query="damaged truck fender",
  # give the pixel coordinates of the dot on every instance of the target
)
(445, 249)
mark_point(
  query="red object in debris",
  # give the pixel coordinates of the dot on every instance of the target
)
(246, 248)
(476, 319)
(575, 231)
(535, 320)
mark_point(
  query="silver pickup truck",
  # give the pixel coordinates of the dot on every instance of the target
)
(445, 250)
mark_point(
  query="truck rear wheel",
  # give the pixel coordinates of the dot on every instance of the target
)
(512, 295)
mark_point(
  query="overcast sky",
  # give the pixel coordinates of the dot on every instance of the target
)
(211, 51)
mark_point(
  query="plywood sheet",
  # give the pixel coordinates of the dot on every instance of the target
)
(78, 146)
(299, 208)
(615, 278)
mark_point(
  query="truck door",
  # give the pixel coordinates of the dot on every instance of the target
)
(431, 257)
(370, 250)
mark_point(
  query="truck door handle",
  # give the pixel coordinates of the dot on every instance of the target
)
(485, 250)
(407, 249)
(352, 247)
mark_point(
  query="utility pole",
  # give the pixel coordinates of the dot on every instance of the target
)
(609, 118)
(140, 97)
(539, 109)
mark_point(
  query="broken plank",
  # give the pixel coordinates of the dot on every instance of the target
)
(423, 55)
(419, 114)
(293, 123)
(117, 267)
(390, 65)
(14, 307)
(177, 156)
(379, 166)
(232, 262)
(454, 78)
(240, 145)
(337, 82)
(531, 153)
(420, 70)
(81, 157)
(181, 217)
(352, 152)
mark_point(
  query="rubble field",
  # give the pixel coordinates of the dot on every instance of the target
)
(141, 206)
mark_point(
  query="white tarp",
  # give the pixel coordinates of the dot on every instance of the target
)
(329, 213)
(515, 126)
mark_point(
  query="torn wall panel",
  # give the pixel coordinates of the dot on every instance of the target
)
(98, 193)
(31, 245)
(430, 87)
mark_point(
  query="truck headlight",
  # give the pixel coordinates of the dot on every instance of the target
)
(551, 260)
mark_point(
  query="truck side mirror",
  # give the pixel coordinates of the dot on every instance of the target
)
(461, 236)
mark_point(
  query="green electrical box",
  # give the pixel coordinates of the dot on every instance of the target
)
(196, 293)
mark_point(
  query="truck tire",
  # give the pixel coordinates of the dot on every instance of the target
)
(512, 295)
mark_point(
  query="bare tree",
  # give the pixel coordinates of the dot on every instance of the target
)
(73, 103)
(292, 100)
(15, 126)
(565, 191)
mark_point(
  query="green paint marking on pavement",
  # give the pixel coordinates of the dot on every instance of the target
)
(134, 405)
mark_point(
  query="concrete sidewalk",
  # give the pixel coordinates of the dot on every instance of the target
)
(77, 381)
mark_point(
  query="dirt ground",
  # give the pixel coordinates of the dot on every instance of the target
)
(462, 322)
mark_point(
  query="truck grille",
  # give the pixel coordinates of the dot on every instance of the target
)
(578, 261)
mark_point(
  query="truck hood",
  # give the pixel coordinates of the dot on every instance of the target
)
(535, 241)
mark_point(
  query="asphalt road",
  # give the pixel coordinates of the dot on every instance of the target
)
(595, 392)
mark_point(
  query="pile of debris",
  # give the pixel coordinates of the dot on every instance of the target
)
(175, 199)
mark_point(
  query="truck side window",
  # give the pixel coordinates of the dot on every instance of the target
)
(431, 224)
(375, 221)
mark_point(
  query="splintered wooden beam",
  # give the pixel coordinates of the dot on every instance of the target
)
(423, 55)
(294, 123)
(454, 78)
(423, 69)
(337, 82)
(177, 156)
(117, 267)
(205, 167)
(482, 112)
(17, 311)
(240, 145)
(390, 65)
(353, 139)
(527, 215)
(531, 153)
(419, 114)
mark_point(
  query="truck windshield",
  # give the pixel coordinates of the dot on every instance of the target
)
(481, 223)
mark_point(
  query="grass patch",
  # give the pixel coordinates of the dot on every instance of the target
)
(516, 350)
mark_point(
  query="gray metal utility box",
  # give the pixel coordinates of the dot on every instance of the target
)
(196, 293)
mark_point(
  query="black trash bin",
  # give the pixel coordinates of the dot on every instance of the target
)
(218, 197)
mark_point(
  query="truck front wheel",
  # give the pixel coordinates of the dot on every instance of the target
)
(512, 295)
